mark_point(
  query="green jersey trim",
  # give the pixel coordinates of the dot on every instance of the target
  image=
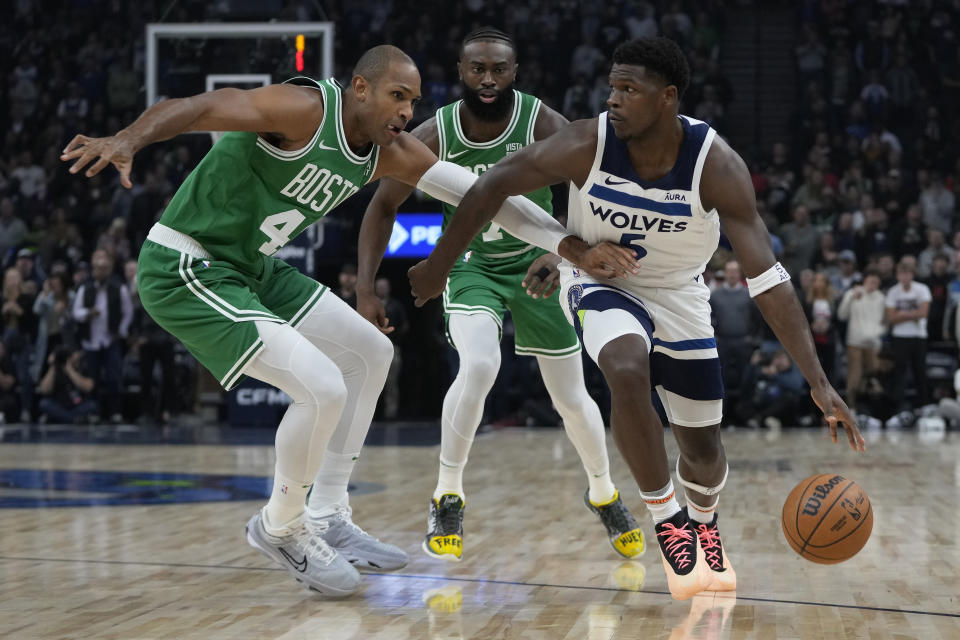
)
(514, 118)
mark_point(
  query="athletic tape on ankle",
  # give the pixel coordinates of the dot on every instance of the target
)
(699, 488)
(767, 280)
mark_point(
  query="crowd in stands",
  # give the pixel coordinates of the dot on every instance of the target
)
(859, 202)
(861, 208)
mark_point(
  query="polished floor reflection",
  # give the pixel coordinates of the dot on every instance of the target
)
(536, 564)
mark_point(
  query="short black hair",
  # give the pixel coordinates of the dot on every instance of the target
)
(375, 61)
(488, 34)
(659, 56)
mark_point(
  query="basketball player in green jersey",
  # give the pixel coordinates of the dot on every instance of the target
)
(207, 276)
(490, 122)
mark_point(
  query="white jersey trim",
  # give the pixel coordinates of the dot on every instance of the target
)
(514, 119)
(296, 154)
(341, 135)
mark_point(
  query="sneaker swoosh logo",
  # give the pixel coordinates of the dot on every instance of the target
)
(321, 145)
(615, 182)
(451, 156)
(299, 565)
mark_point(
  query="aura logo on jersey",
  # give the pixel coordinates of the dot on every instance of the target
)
(636, 221)
(312, 181)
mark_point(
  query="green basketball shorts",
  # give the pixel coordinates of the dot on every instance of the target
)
(479, 284)
(211, 306)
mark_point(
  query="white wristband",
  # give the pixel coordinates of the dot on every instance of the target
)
(767, 280)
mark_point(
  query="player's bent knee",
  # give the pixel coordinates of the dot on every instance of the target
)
(623, 370)
(482, 368)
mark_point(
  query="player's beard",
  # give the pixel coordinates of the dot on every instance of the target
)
(493, 112)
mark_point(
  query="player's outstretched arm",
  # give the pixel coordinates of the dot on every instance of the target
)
(375, 231)
(726, 187)
(541, 164)
(293, 113)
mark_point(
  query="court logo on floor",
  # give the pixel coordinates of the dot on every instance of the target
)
(34, 488)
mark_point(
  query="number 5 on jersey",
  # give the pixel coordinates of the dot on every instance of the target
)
(279, 227)
(631, 240)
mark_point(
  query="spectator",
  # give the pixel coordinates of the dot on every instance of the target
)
(775, 389)
(398, 320)
(53, 308)
(9, 400)
(152, 346)
(820, 309)
(938, 282)
(847, 275)
(908, 304)
(911, 232)
(348, 284)
(862, 308)
(103, 311)
(31, 176)
(800, 238)
(12, 228)
(66, 388)
(735, 323)
(936, 200)
(936, 247)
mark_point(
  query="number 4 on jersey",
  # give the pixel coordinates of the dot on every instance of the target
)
(279, 227)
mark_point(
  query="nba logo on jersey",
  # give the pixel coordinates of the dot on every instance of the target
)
(576, 272)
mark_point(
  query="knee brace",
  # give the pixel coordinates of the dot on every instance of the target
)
(707, 491)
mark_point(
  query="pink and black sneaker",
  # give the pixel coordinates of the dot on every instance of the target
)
(724, 578)
(683, 559)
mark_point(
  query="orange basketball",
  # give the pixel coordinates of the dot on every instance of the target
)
(827, 518)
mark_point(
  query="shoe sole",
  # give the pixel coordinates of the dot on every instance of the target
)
(369, 565)
(625, 556)
(323, 589)
(448, 557)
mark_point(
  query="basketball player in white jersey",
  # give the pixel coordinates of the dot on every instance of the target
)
(661, 183)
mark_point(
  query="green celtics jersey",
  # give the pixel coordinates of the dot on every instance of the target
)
(247, 198)
(480, 156)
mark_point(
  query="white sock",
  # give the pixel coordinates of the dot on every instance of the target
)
(602, 490)
(563, 378)
(450, 479)
(330, 488)
(285, 506)
(477, 338)
(662, 503)
(700, 513)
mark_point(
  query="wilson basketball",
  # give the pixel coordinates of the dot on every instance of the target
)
(827, 518)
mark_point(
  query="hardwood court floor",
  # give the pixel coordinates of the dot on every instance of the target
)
(536, 563)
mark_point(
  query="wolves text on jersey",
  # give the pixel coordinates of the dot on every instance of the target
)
(636, 221)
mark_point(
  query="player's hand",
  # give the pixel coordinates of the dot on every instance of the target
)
(426, 282)
(370, 307)
(542, 277)
(116, 150)
(836, 410)
(610, 260)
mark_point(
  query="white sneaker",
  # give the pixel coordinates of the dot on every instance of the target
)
(357, 546)
(306, 556)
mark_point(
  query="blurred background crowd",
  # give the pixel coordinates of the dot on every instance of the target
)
(845, 110)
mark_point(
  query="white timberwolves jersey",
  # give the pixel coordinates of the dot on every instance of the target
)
(664, 220)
